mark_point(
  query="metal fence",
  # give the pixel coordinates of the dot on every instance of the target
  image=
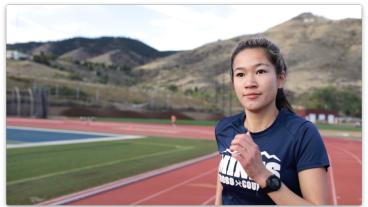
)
(41, 101)
(27, 102)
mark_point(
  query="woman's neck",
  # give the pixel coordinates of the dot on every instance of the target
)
(259, 121)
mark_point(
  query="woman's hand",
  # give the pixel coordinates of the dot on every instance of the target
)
(313, 182)
(247, 153)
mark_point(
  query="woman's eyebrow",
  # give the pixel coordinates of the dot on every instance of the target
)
(239, 68)
(261, 64)
(253, 66)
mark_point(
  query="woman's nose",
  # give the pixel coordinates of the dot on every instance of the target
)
(250, 82)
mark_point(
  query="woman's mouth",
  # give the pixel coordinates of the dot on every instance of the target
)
(252, 95)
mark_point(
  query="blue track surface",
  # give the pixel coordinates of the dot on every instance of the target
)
(28, 135)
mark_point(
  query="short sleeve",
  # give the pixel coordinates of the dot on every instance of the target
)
(220, 145)
(310, 149)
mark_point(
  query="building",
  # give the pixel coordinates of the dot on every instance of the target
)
(318, 115)
(16, 55)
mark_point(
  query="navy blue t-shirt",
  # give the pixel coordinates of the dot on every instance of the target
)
(291, 144)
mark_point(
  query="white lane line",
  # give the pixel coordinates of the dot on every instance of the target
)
(107, 137)
(150, 130)
(351, 154)
(92, 166)
(62, 131)
(75, 141)
(332, 181)
(123, 182)
(208, 201)
(164, 130)
(168, 129)
(172, 187)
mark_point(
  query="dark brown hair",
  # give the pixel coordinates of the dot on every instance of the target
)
(274, 56)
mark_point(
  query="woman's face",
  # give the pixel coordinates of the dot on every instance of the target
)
(255, 80)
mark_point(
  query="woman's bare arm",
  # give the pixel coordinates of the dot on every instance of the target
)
(218, 200)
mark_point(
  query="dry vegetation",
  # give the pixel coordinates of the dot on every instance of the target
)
(319, 52)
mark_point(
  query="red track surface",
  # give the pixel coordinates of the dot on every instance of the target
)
(191, 185)
(195, 184)
(346, 165)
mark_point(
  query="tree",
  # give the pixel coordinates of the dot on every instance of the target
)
(173, 88)
(42, 58)
(344, 101)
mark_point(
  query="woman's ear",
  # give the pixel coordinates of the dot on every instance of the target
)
(281, 79)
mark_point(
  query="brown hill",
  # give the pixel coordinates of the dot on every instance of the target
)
(109, 50)
(318, 51)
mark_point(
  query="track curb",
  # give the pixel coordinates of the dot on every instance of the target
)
(122, 182)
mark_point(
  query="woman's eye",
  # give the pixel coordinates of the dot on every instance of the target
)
(261, 71)
(239, 75)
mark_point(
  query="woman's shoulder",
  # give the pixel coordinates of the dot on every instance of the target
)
(294, 122)
(229, 120)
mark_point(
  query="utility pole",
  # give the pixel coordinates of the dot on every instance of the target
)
(77, 93)
(31, 102)
(97, 96)
(17, 94)
(223, 93)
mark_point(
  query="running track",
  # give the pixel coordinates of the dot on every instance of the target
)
(195, 184)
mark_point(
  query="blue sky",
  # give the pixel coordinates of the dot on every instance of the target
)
(164, 27)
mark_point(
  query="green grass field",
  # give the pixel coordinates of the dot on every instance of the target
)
(339, 127)
(41, 173)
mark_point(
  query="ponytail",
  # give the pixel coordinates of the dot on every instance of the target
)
(282, 102)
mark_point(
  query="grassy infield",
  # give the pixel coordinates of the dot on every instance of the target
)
(40, 173)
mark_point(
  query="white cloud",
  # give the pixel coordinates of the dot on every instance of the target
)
(173, 27)
(188, 27)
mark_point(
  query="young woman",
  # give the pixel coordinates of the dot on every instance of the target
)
(269, 154)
